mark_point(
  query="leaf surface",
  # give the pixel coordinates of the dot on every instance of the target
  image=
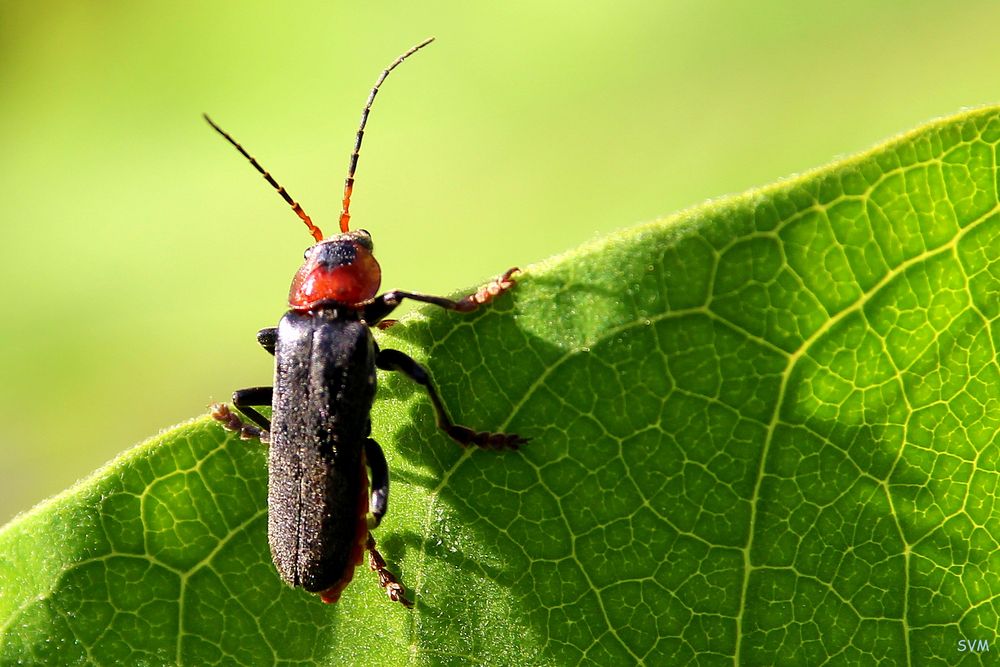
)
(762, 432)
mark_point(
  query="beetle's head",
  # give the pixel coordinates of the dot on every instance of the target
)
(340, 268)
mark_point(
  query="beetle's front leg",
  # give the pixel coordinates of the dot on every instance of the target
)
(383, 305)
(394, 360)
(245, 400)
(268, 339)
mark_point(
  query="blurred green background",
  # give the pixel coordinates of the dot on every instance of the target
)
(139, 253)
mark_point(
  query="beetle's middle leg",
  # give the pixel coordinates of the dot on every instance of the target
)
(394, 360)
(245, 401)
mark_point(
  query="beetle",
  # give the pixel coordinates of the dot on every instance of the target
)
(328, 481)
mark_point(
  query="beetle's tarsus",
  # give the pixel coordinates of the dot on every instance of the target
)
(488, 292)
(386, 579)
(380, 307)
(466, 436)
(394, 360)
(232, 422)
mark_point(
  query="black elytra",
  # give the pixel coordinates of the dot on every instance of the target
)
(328, 482)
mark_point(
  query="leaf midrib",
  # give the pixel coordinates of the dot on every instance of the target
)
(793, 358)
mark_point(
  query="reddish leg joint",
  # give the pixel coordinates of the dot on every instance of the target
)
(386, 579)
(488, 292)
(232, 422)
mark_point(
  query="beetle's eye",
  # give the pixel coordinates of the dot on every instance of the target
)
(365, 239)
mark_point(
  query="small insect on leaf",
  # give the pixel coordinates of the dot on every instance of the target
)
(328, 481)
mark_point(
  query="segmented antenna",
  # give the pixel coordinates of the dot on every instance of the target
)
(313, 229)
(345, 214)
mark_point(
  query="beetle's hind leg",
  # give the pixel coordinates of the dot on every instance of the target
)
(245, 400)
(394, 360)
(379, 469)
(386, 579)
(378, 504)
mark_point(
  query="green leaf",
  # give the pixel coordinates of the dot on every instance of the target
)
(762, 432)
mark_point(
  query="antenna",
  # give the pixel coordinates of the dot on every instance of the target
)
(345, 214)
(313, 229)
